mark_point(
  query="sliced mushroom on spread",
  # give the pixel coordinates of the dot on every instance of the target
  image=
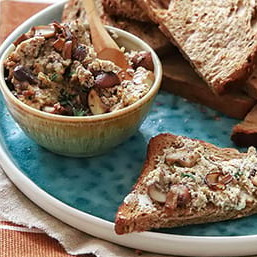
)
(143, 59)
(253, 177)
(156, 193)
(59, 44)
(95, 103)
(142, 77)
(67, 50)
(183, 157)
(49, 109)
(45, 31)
(22, 73)
(217, 180)
(80, 53)
(106, 79)
(178, 196)
(20, 39)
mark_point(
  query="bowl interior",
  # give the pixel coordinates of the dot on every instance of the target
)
(125, 39)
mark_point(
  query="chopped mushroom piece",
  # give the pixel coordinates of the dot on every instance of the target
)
(95, 103)
(178, 196)
(44, 31)
(253, 177)
(218, 180)
(157, 194)
(183, 157)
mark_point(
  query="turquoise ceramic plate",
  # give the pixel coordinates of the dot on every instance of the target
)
(86, 193)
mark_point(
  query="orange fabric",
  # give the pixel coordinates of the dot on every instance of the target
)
(25, 244)
(9, 223)
(14, 13)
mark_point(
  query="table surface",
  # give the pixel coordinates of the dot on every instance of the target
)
(16, 240)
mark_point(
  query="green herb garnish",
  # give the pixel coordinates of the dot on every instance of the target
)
(65, 98)
(187, 175)
(78, 112)
(238, 174)
(54, 77)
(71, 73)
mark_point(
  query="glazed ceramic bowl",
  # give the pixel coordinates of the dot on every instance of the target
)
(83, 136)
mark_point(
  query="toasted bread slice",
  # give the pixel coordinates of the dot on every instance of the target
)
(187, 181)
(245, 133)
(126, 8)
(180, 79)
(251, 84)
(217, 37)
(148, 32)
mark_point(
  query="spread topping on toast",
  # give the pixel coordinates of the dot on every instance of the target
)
(180, 179)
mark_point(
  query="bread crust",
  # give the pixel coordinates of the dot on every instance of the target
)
(202, 38)
(131, 218)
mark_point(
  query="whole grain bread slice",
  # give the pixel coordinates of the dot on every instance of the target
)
(147, 31)
(217, 37)
(126, 8)
(187, 181)
(180, 79)
(251, 84)
(244, 134)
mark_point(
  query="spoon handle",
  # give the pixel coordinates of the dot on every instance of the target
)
(105, 47)
(100, 37)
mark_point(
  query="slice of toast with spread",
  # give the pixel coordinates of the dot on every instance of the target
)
(187, 181)
(149, 32)
(217, 37)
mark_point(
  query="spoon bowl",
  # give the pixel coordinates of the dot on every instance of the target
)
(104, 45)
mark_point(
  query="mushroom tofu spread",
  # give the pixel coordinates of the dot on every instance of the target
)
(180, 178)
(55, 69)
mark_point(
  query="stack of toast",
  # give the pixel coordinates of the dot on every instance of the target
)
(208, 51)
(218, 38)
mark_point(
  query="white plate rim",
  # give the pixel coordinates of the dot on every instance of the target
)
(148, 241)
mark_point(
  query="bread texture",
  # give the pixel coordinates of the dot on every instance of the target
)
(180, 79)
(125, 8)
(188, 181)
(147, 31)
(217, 37)
(251, 85)
(244, 134)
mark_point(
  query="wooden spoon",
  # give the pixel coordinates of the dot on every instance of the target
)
(105, 47)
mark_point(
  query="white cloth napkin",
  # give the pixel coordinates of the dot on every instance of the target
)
(17, 208)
